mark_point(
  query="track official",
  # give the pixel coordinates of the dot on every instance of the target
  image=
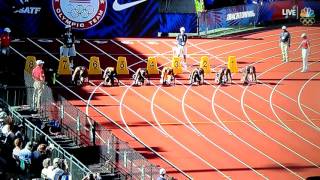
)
(39, 79)
(285, 43)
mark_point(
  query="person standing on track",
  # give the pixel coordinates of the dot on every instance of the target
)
(39, 79)
(181, 46)
(285, 43)
(305, 50)
(5, 42)
(68, 49)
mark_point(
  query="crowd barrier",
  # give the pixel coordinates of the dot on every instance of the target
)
(76, 168)
(115, 154)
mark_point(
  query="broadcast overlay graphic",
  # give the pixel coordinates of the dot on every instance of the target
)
(307, 16)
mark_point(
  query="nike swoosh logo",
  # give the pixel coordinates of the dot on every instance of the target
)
(119, 7)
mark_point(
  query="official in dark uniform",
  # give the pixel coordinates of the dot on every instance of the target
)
(285, 44)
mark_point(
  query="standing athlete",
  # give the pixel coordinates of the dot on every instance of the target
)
(69, 49)
(181, 46)
(285, 43)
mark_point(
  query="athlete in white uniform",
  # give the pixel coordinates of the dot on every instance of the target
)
(181, 46)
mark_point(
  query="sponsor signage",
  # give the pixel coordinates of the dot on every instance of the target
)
(26, 7)
(307, 16)
(240, 15)
(80, 14)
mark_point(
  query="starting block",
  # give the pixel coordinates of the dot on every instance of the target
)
(64, 66)
(30, 64)
(232, 64)
(176, 65)
(122, 67)
(205, 65)
(94, 66)
(152, 66)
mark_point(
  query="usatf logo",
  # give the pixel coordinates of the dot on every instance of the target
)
(307, 16)
(80, 14)
(25, 7)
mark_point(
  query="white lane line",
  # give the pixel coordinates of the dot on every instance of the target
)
(198, 93)
(272, 93)
(279, 142)
(203, 160)
(209, 140)
(242, 140)
(167, 161)
(299, 100)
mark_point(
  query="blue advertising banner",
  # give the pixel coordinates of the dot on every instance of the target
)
(90, 18)
(305, 12)
(228, 17)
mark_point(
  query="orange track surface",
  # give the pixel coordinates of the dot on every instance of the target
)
(268, 130)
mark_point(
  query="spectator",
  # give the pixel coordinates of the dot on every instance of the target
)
(92, 177)
(17, 148)
(46, 168)
(26, 153)
(10, 137)
(5, 128)
(19, 133)
(56, 170)
(37, 159)
(3, 116)
(162, 173)
(39, 78)
(64, 166)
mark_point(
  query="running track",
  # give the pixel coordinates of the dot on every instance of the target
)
(264, 131)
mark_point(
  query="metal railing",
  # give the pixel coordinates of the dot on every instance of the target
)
(76, 169)
(114, 153)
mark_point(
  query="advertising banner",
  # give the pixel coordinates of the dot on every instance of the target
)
(228, 17)
(305, 12)
(89, 18)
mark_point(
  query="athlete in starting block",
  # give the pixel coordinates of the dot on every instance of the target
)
(109, 77)
(197, 76)
(167, 76)
(140, 76)
(80, 76)
(223, 76)
(249, 75)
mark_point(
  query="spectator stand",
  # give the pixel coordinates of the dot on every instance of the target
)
(114, 157)
(75, 169)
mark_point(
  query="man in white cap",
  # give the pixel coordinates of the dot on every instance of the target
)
(181, 46)
(285, 43)
(162, 173)
(39, 79)
(305, 51)
(5, 41)
(68, 48)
